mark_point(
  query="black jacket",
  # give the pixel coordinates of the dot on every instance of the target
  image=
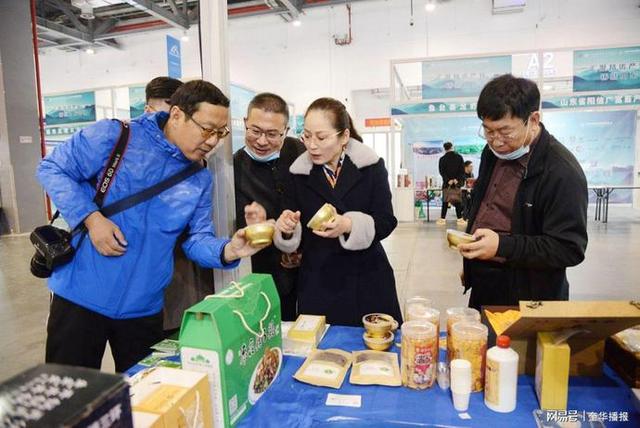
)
(549, 229)
(451, 166)
(345, 284)
(265, 184)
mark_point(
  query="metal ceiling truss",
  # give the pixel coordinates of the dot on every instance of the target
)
(175, 17)
(60, 25)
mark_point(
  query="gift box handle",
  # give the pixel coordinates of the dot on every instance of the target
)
(264, 317)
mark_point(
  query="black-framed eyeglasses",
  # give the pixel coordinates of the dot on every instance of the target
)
(209, 132)
(271, 135)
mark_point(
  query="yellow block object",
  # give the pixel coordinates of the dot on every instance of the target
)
(552, 372)
(308, 328)
(500, 321)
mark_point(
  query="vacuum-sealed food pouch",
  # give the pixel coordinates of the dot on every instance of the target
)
(325, 367)
(375, 368)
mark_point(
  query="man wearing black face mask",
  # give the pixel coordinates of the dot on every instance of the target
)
(529, 204)
(261, 169)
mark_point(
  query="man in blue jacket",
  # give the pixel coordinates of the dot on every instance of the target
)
(112, 290)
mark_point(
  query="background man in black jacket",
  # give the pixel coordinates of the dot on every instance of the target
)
(451, 166)
(261, 170)
(529, 204)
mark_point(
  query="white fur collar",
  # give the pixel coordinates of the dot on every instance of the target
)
(360, 154)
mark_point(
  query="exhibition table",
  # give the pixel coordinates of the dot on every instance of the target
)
(290, 403)
(602, 199)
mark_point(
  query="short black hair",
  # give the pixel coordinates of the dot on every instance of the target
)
(508, 95)
(467, 163)
(189, 96)
(162, 87)
(447, 145)
(271, 103)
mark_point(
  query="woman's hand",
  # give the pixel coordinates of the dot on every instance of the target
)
(288, 221)
(332, 229)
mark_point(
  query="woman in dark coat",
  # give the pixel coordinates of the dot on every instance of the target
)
(345, 272)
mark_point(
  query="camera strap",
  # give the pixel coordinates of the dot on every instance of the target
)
(108, 177)
(112, 166)
(109, 173)
(146, 194)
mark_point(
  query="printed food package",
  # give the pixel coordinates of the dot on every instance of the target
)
(375, 368)
(325, 367)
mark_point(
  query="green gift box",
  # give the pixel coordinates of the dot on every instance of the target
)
(234, 336)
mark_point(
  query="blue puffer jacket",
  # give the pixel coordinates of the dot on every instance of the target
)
(131, 285)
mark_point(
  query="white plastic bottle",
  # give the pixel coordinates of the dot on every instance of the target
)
(501, 377)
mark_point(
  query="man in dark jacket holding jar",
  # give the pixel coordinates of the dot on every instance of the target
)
(261, 170)
(529, 206)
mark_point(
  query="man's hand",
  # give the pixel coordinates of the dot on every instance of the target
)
(484, 248)
(106, 237)
(338, 227)
(287, 222)
(239, 247)
(254, 213)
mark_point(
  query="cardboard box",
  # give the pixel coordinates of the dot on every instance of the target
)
(552, 372)
(623, 361)
(51, 395)
(178, 397)
(599, 319)
(235, 338)
(308, 328)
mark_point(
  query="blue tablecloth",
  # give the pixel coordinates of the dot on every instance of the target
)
(289, 403)
(292, 404)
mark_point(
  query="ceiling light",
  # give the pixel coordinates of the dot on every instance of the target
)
(89, 51)
(430, 6)
(296, 23)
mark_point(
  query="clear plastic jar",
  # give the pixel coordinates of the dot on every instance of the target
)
(458, 314)
(419, 357)
(469, 342)
(415, 305)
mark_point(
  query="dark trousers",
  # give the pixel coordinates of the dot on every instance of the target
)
(445, 207)
(288, 306)
(77, 336)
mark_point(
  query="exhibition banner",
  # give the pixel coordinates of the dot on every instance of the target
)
(240, 99)
(70, 108)
(463, 77)
(603, 142)
(591, 100)
(423, 139)
(174, 58)
(137, 101)
(435, 107)
(606, 69)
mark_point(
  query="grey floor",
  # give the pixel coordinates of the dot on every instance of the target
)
(422, 262)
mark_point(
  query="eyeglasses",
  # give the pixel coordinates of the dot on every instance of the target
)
(209, 132)
(307, 137)
(271, 135)
(502, 136)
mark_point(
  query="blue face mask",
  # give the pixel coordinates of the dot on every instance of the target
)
(517, 153)
(262, 159)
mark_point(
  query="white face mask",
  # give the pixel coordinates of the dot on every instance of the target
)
(262, 159)
(517, 153)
